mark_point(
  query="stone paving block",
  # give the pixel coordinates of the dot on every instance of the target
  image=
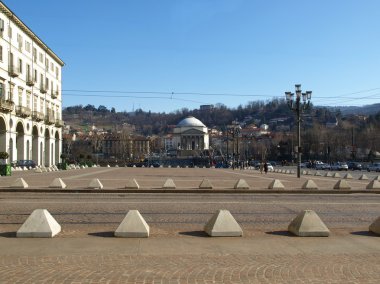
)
(375, 184)
(241, 184)
(95, 184)
(309, 184)
(348, 176)
(40, 224)
(132, 184)
(169, 184)
(57, 183)
(133, 226)
(223, 224)
(19, 183)
(375, 226)
(276, 184)
(308, 224)
(342, 184)
(363, 177)
(205, 184)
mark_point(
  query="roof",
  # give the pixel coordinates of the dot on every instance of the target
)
(190, 121)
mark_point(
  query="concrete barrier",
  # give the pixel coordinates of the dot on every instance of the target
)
(308, 224)
(241, 184)
(133, 226)
(363, 177)
(348, 176)
(342, 184)
(57, 183)
(40, 224)
(375, 226)
(336, 175)
(309, 184)
(169, 184)
(276, 184)
(223, 224)
(375, 184)
(19, 183)
(205, 184)
(317, 174)
(95, 184)
(132, 184)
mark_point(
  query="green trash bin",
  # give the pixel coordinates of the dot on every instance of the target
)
(5, 170)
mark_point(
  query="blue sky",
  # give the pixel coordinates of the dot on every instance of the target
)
(247, 49)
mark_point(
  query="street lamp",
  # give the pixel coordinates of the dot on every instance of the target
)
(298, 107)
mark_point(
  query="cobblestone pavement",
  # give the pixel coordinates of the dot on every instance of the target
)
(177, 250)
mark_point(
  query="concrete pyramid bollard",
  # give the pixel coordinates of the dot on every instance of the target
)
(241, 184)
(276, 184)
(317, 174)
(348, 176)
(342, 184)
(363, 177)
(19, 183)
(108, 166)
(336, 175)
(132, 184)
(309, 184)
(309, 173)
(38, 170)
(304, 172)
(116, 166)
(57, 183)
(292, 172)
(169, 184)
(95, 184)
(223, 224)
(328, 174)
(375, 226)
(205, 184)
(287, 172)
(308, 224)
(82, 167)
(43, 169)
(133, 226)
(375, 184)
(40, 224)
(377, 178)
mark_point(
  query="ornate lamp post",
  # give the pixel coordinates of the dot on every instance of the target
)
(298, 107)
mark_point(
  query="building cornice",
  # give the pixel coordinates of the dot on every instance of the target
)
(8, 12)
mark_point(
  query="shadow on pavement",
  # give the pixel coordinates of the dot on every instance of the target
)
(108, 234)
(8, 234)
(201, 234)
(280, 233)
(365, 233)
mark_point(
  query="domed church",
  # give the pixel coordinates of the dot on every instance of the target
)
(190, 136)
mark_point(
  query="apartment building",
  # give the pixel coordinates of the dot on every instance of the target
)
(30, 94)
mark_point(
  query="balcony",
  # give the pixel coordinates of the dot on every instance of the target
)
(13, 71)
(54, 94)
(49, 117)
(43, 89)
(38, 116)
(22, 111)
(59, 123)
(6, 105)
(30, 80)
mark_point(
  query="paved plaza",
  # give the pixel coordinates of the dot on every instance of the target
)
(178, 251)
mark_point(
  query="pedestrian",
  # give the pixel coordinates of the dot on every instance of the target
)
(261, 167)
(265, 167)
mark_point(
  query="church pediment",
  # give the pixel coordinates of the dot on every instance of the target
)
(193, 132)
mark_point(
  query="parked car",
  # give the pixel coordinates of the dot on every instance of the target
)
(26, 164)
(355, 166)
(374, 167)
(322, 166)
(339, 166)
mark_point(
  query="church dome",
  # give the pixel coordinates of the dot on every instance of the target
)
(190, 121)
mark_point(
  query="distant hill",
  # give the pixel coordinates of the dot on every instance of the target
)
(364, 110)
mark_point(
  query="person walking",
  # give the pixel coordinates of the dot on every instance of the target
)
(265, 167)
(261, 167)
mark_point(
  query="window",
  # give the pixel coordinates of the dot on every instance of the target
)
(56, 72)
(41, 58)
(52, 67)
(20, 96)
(28, 95)
(42, 105)
(20, 41)
(1, 53)
(35, 98)
(27, 46)
(2, 25)
(35, 75)
(47, 64)
(20, 66)
(10, 31)
(34, 54)
(2, 90)
(47, 83)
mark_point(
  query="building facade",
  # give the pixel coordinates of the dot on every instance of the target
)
(30, 94)
(190, 137)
